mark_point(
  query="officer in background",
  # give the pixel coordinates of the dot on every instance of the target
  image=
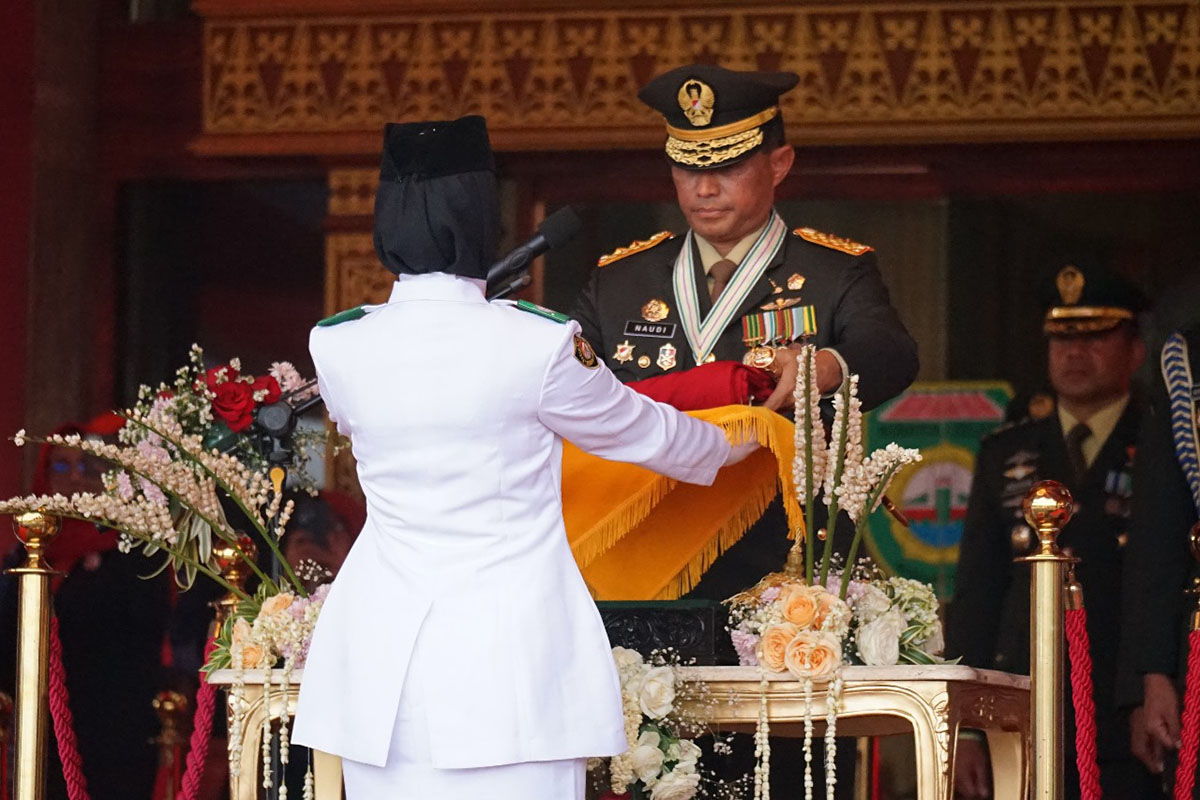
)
(1160, 567)
(1088, 444)
(739, 285)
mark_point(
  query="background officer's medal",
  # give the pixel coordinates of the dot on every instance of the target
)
(644, 361)
(655, 311)
(696, 98)
(584, 353)
(795, 282)
(666, 356)
(1069, 284)
(624, 352)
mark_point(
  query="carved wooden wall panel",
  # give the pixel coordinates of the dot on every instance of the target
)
(870, 72)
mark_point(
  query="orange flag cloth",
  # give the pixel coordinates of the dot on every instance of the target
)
(637, 535)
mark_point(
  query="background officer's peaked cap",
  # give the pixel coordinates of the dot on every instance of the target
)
(1084, 298)
(717, 117)
(435, 149)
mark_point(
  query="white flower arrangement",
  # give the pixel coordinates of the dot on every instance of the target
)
(659, 764)
(811, 619)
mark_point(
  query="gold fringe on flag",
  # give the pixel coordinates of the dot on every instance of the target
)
(639, 536)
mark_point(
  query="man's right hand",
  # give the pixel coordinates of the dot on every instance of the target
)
(972, 769)
(1154, 727)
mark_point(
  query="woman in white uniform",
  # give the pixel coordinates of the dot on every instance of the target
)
(459, 653)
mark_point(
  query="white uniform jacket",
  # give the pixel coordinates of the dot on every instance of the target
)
(457, 409)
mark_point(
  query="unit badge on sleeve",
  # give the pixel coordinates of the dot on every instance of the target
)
(584, 353)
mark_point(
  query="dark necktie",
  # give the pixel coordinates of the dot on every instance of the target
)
(1075, 438)
(721, 272)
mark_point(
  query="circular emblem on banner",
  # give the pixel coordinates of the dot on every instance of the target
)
(933, 495)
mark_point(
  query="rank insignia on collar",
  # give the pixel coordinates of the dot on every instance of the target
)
(666, 356)
(655, 311)
(624, 352)
(780, 303)
(795, 282)
(584, 353)
(643, 361)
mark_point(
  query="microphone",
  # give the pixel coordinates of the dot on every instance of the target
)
(554, 231)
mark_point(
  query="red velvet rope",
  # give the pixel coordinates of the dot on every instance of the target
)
(1185, 770)
(64, 729)
(1085, 704)
(197, 758)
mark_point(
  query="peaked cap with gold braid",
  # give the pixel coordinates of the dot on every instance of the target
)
(1088, 299)
(716, 117)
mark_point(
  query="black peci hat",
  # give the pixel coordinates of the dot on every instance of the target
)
(716, 117)
(1088, 299)
(434, 149)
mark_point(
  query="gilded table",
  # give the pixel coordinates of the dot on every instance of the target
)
(930, 702)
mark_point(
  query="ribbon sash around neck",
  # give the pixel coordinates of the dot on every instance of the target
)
(702, 335)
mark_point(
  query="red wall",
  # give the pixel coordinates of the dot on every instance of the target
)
(16, 151)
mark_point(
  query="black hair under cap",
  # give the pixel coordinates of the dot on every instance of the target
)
(437, 207)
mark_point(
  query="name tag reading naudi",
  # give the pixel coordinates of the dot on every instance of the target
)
(661, 330)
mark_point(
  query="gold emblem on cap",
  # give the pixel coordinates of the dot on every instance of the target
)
(696, 98)
(1070, 284)
(795, 282)
(655, 311)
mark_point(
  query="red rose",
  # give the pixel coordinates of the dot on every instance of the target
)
(218, 376)
(234, 403)
(270, 385)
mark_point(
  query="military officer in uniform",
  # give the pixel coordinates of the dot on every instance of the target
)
(1160, 566)
(1088, 444)
(739, 279)
(739, 284)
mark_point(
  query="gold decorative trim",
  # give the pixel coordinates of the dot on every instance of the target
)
(1088, 312)
(833, 242)
(939, 70)
(741, 126)
(634, 247)
(352, 192)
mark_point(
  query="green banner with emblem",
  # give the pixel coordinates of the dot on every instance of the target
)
(945, 421)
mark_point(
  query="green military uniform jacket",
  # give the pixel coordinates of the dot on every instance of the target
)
(988, 620)
(840, 280)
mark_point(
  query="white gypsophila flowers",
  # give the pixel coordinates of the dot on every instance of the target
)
(810, 433)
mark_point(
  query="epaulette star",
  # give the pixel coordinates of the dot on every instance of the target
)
(833, 242)
(634, 247)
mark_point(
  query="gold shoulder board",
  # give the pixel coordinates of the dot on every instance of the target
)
(634, 247)
(833, 242)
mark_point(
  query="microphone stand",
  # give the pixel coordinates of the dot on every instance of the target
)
(504, 289)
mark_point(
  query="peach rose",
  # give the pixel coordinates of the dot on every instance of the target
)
(826, 604)
(773, 645)
(813, 655)
(799, 605)
(276, 603)
(241, 631)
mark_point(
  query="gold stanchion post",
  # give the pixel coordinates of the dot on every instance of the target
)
(172, 710)
(1048, 508)
(233, 568)
(35, 530)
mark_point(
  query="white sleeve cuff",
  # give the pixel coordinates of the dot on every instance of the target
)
(845, 370)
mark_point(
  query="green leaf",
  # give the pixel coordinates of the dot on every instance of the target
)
(914, 655)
